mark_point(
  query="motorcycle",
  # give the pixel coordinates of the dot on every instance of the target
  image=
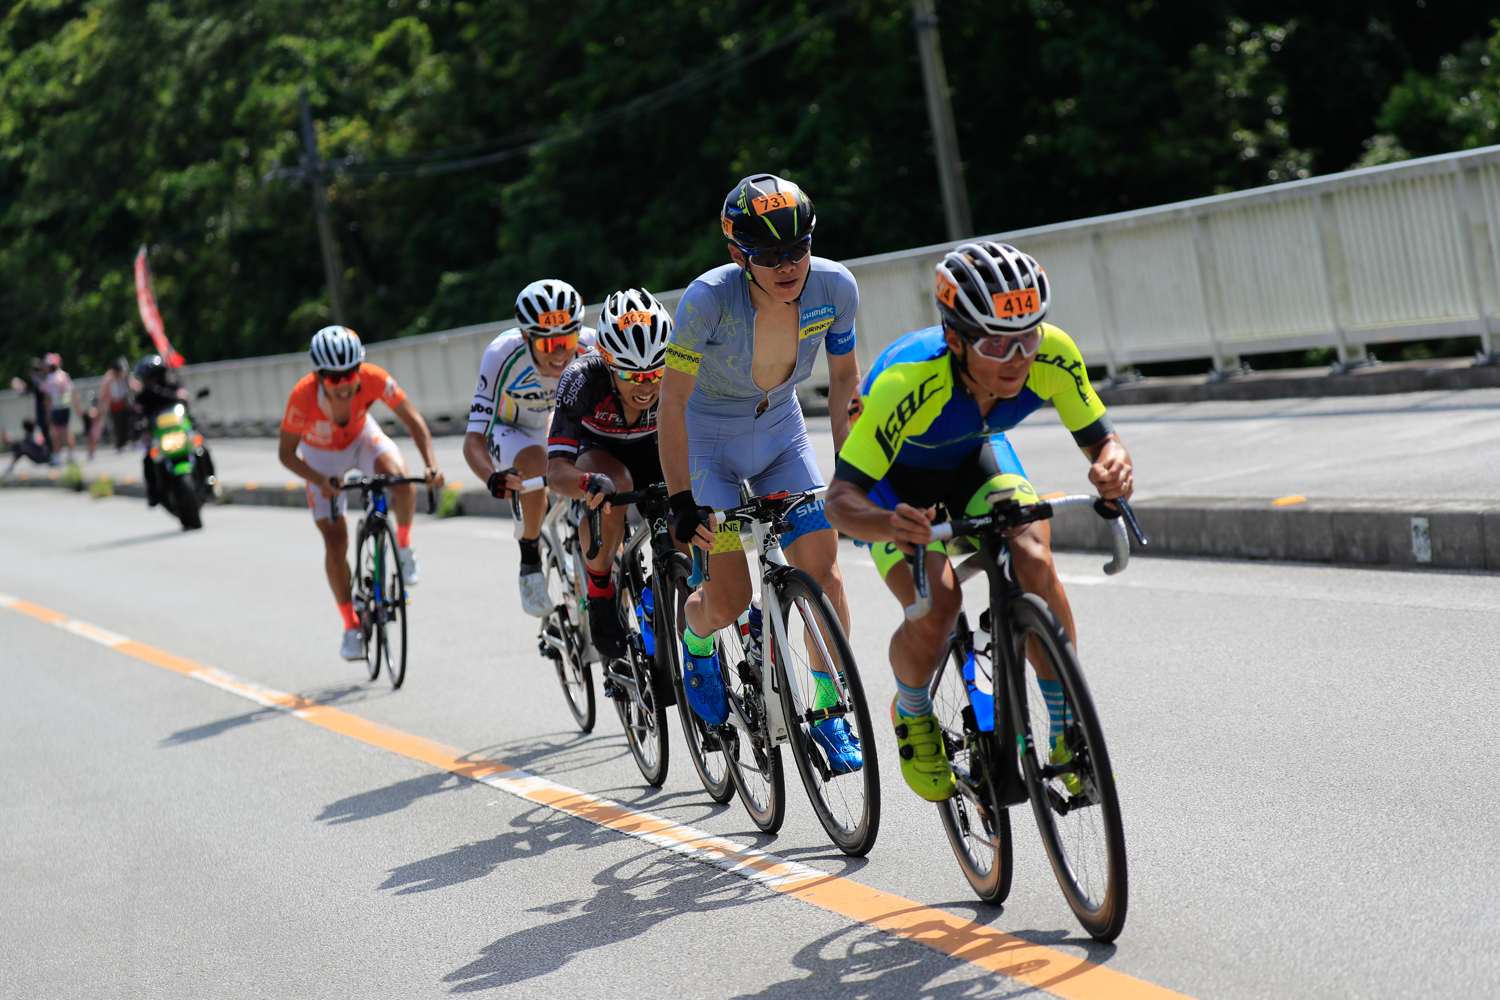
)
(180, 465)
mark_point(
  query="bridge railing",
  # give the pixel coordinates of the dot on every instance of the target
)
(1406, 251)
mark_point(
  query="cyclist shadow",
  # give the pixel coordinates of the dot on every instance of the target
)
(532, 834)
(558, 753)
(633, 897)
(327, 696)
(863, 961)
(390, 799)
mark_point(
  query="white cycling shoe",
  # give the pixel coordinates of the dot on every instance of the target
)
(353, 646)
(409, 571)
(534, 594)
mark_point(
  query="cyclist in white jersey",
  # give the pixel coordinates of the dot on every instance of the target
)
(507, 436)
(745, 335)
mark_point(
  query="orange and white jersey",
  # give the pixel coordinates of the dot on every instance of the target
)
(309, 411)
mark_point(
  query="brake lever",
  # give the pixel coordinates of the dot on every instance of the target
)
(923, 604)
(596, 528)
(1135, 529)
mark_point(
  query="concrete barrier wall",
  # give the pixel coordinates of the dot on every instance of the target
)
(1405, 251)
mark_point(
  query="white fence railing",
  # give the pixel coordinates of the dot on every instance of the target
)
(1406, 251)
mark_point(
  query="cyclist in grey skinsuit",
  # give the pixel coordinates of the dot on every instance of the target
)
(745, 335)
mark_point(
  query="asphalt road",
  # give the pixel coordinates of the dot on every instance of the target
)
(1287, 741)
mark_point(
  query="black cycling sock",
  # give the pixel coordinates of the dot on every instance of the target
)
(531, 552)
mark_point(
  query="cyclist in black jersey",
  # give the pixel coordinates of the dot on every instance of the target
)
(603, 436)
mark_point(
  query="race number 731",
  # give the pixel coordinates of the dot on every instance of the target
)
(771, 202)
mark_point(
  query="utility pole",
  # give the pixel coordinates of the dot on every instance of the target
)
(940, 115)
(314, 169)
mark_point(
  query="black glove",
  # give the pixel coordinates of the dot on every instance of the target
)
(596, 482)
(687, 514)
(496, 482)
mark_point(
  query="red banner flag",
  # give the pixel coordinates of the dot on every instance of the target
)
(150, 315)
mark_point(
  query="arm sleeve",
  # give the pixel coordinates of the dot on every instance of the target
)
(567, 416)
(487, 389)
(1065, 380)
(697, 317)
(846, 301)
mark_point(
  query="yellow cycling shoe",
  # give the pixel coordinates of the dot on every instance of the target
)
(924, 760)
(1061, 755)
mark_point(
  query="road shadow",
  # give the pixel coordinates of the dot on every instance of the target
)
(531, 835)
(120, 543)
(390, 799)
(325, 696)
(863, 962)
(550, 754)
(632, 897)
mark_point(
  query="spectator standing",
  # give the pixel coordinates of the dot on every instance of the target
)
(114, 401)
(59, 388)
(33, 384)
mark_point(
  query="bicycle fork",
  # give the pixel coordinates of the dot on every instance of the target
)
(1009, 786)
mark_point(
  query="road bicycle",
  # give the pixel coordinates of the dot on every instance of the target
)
(804, 643)
(987, 701)
(379, 587)
(564, 636)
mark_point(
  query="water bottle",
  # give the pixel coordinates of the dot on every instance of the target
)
(643, 611)
(979, 676)
(753, 624)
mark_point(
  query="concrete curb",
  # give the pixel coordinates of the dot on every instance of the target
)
(1316, 382)
(1410, 535)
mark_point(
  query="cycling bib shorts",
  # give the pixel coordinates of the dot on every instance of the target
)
(361, 453)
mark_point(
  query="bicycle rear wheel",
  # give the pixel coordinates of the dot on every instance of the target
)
(562, 640)
(978, 830)
(847, 802)
(704, 745)
(754, 762)
(366, 561)
(1082, 831)
(393, 610)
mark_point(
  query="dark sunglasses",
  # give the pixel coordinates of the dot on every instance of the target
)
(772, 258)
(339, 378)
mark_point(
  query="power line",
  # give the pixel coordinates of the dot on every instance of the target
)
(423, 165)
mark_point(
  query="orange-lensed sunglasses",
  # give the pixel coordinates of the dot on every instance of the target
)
(339, 378)
(566, 341)
(641, 378)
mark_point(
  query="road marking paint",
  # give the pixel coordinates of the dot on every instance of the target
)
(1034, 965)
(1082, 580)
(1288, 501)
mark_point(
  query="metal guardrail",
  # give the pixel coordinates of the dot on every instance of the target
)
(1406, 251)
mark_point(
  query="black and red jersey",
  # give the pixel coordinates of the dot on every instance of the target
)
(589, 411)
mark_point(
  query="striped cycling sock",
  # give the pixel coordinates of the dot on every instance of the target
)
(912, 702)
(1052, 691)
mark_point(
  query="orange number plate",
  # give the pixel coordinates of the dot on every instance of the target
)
(1009, 305)
(558, 318)
(771, 202)
(946, 290)
(632, 318)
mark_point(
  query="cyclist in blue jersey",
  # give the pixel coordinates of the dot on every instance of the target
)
(746, 334)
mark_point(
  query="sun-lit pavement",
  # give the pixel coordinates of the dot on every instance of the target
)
(1285, 739)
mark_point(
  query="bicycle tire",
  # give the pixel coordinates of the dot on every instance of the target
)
(761, 785)
(1083, 833)
(643, 716)
(393, 611)
(364, 596)
(573, 674)
(705, 748)
(978, 830)
(848, 803)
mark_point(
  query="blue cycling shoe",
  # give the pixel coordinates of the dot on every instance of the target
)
(839, 745)
(704, 686)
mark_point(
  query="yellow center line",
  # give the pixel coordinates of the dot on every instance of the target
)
(1035, 965)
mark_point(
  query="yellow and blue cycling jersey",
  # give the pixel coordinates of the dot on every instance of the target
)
(921, 439)
(917, 413)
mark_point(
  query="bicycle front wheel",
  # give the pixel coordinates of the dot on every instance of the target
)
(562, 640)
(754, 760)
(1073, 799)
(392, 593)
(366, 571)
(820, 691)
(978, 830)
(641, 707)
(704, 745)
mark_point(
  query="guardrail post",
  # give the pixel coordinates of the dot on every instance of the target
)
(1204, 253)
(1327, 242)
(1106, 303)
(1471, 259)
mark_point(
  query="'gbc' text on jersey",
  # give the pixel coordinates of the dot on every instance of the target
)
(889, 435)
